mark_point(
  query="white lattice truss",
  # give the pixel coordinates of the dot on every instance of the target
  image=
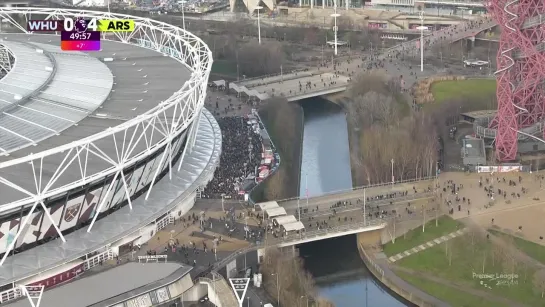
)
(33, 293)
(168, 119)
(6, 60)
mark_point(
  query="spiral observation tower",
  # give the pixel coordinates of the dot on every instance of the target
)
(520, 75)
(99, 150)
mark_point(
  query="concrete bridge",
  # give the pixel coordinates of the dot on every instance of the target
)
(293, 86)
(373, 227)
(323, 202)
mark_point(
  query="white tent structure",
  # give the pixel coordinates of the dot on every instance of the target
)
(274, 212)
(295, 226)
(268, 205)
(252, 4)
(241, 89)
(286, 219)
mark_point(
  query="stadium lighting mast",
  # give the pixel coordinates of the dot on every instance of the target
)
(422, 28)
(335, 28)
(183, 13)
(258, 24)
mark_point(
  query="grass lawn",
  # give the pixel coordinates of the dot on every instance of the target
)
(453, 296)
(459, 259)
(531, 249)
(473, 89)
(224, 68)
(416, 237)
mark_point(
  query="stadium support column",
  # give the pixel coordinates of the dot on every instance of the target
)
(312, 4)
(195, 129)
(191, 138)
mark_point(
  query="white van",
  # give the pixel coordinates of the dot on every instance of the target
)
(268, 305)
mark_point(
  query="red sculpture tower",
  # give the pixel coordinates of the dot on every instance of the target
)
(521, 73)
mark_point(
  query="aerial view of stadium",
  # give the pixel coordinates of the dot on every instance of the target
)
(84, 138)
(269, 153)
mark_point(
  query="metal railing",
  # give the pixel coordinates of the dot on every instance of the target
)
(359, 206)
(344, 191)
(320, 233)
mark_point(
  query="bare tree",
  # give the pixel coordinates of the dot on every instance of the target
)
(344, 23)
(284, 276)
(258, 60)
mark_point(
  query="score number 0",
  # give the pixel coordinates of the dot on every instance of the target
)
(69, 24)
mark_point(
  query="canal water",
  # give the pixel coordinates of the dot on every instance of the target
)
(325, 163)
(339, 272)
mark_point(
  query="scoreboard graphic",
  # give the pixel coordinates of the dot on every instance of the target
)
(80, 34)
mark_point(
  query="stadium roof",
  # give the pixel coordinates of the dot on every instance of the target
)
(142, 79)
(165, 195)
(47, 91)
(112, 283)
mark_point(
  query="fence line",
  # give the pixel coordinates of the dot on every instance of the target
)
(379, 274)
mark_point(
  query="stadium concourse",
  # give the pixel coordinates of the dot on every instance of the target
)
(85, 137)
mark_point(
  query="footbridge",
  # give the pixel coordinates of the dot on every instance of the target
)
(364, 211)
(293, 86)
(324, 201)
(373, 226)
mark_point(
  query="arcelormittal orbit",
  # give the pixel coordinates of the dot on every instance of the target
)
(520, 75)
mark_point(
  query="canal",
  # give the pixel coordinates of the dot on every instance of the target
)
(325, 167)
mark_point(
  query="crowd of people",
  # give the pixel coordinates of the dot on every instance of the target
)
(240, 156)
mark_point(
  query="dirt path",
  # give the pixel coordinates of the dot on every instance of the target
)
(486, 295)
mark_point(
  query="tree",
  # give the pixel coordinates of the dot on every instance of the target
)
(284, 275)
(260, 59)
(344, 23)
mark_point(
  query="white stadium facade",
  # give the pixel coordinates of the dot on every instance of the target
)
(98, 151)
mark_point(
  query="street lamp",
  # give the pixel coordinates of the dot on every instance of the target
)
(258, 23)
(392, 161)
(335, 28)
(422, 28)
(183, 13)
(277, 289)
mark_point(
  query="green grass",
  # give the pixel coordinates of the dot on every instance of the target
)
(453, 296)
(466, 256)
(531, 249)
(472, 89)
(416, 237)
(222, 67)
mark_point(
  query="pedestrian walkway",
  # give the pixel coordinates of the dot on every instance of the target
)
(426, 245)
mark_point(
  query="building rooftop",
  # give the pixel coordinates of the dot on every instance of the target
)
(473, 148)
(111, 283)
